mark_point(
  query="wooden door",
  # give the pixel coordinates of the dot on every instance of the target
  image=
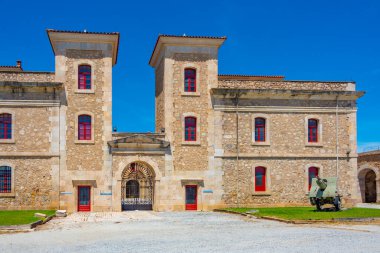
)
(84, 198)
(191, 197)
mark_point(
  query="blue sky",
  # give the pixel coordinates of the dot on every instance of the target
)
(303, 40)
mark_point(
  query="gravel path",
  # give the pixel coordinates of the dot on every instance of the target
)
(188, 232)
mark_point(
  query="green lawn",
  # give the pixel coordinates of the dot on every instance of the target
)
(21, 217)
(309, 213)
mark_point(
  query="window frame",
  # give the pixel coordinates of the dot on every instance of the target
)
(312, 137)
(267, 189)
(181, 86)
(13, 124)
(260, 129)
(187, 84)
(309, 180)
(260, 188)
(12, 191)
(306, 175)
(85, 125)
(266, 129)
(192, 132)
(76, 76)
(197, 141)
(84, 74)
(319, 130)
(77, 125)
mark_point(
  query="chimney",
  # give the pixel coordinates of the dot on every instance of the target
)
(18, 64)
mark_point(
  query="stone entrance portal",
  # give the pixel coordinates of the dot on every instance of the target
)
(137, 187)
(370, 187)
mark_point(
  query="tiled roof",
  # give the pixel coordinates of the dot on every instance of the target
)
(82, 32)
(185, 37)
(195, 37)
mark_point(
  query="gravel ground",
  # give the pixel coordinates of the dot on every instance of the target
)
(188, 232)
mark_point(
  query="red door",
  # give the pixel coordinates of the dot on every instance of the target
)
(84, 198)
(191, 197)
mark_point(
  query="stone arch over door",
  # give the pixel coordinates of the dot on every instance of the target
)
(369, 183)
(137, 187)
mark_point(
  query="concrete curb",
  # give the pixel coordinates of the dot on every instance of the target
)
(334, 220)
(26, 227)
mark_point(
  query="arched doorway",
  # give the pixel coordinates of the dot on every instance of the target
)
(137, 187)
(370, 187)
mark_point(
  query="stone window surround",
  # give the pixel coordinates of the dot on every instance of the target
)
(267, 129)
(12, 113)
(12, 193)
(197, 84)
(319, 143)
(76, 140)
(76, 75)
(267, 191)
(306, 170)
(198, 130)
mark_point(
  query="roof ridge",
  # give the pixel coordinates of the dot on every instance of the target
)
(82, 32)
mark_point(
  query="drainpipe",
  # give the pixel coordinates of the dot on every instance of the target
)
(337, 139)
(237, 148)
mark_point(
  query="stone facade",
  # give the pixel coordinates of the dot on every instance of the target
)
(52, 168)
(369, 176)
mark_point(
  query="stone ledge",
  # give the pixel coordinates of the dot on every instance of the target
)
(28, 154)
(250, 155)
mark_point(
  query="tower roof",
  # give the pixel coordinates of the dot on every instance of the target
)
(62, 36)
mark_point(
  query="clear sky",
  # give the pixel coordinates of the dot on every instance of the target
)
(303, 40)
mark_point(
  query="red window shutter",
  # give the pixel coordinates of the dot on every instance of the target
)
(84, 77)
(313, 130)
(260, 129)
(313, 172)
(190, 80)
(260, 179)
(190, 129)
(5, 126)
(84, 127)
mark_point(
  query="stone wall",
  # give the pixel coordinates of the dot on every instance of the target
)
(287, 182)
(369, 162)
(31, 129)
(34, 186)
(84, 156)
(184, 152)
(288, 85)
(27, 76)
(160, 98)
(286, 133)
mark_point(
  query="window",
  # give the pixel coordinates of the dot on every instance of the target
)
(260, 179)
(260, 129)
(313, 172)
(190, 80)
(84, 127)
(84, 77)
(190, 129)
(5, 179)
(313, 130)
(5, 126)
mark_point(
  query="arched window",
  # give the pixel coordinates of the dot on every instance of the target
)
(5, 179)
(190, 80)
(84, 77)
(5, 126)
(259, 129)
(132, 189)
(260, 179)
(190, 129)
(313, 130)
(84, 127)
(313, 172)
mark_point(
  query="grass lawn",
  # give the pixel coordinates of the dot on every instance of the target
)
(309, 213)
(21, 217)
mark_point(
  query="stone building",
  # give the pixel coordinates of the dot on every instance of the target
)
(220, 140)
(369, 176)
